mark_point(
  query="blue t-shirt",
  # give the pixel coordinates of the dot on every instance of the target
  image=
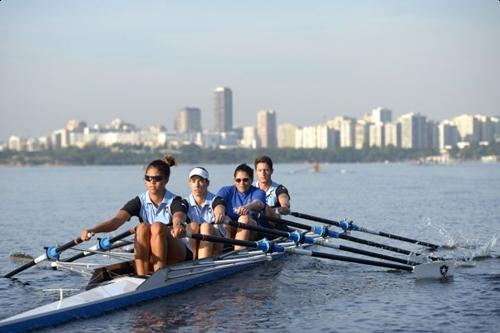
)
(235, 199)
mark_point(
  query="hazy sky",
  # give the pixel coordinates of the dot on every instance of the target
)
(308, 60)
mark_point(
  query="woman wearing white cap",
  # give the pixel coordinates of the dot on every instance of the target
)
(206, 212)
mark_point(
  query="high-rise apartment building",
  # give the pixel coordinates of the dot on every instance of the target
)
(362, 134)
(249, 137)
(188, 120)
(377, 135)
(381, 115)
(448, 135)
(486, 128)
(393, 134)
(266, 129)
(286, 136)
(347, 132)
(413, 131)
(223, 109)
(468, 127)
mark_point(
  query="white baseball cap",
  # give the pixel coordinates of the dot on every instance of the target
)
(199, 171)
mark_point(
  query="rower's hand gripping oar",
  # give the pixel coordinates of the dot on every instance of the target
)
(103, 244)
(347, 226)
(51, 253)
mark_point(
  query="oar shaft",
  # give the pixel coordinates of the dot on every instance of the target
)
(408, 240)
(20, 269)
(45, 256)
(99, 247)
(339, 235)
(358, 228)
(223, 240)
(349, 259)
(323, 242)
(374, 244)
(315, 218)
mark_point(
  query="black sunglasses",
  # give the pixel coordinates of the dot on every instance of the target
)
(244, 180)
(153, 178)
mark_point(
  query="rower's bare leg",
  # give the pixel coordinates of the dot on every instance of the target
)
(206, 248)
(242, 234)
(176, 249)
(158, 245)
(142, 248)
(195, 229)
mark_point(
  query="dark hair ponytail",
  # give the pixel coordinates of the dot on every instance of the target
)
(163, 165)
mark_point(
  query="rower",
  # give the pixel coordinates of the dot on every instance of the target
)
(277, 197)
(243, 202)
(206, 214)
(158, 238)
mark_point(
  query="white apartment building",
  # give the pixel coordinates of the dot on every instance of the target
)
(381, 115)
(362, 134)
(468, 127)
(377, 135)
(286, 135)
(413, 131)
(249, 138)
(393, 134)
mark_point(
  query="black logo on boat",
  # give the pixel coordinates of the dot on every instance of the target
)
(443, 270)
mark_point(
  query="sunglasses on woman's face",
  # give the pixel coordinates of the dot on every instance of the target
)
(153, 178)
(244, 180)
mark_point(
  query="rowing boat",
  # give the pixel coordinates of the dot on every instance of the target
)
(107, 292)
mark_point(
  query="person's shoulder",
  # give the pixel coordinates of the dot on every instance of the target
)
(257, 191)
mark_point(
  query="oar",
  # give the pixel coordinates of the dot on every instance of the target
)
(104, 244)
(431, 270)
(351, 226)
(300, 238)
(51, 253)
(325, 232)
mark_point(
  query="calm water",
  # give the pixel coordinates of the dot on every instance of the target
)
(456, 205)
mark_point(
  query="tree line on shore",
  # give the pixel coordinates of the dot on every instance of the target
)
(126, 155)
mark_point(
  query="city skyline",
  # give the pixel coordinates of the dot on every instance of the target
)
(308, 61)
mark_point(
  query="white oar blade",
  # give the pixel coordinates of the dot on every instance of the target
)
(435, 270)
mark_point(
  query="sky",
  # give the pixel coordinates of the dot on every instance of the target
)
(310, 61)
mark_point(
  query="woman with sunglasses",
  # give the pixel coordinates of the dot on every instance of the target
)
(206, 214)
(243, 201)
(162, 215)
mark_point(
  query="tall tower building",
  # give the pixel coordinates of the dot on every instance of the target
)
(223, 109)
(413, 131)
(266, 129)
(188, 120)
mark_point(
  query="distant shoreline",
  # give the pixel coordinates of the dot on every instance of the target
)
(131, 155)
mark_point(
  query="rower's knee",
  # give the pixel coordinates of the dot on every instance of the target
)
(245, 219)
(158, 229)
(143, 231)
(206, 229)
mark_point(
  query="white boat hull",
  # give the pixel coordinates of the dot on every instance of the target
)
(125, 291)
